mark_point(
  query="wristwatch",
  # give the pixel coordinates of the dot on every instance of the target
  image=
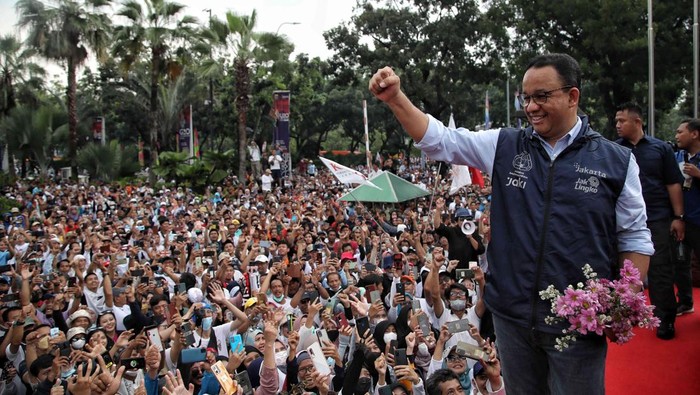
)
(681, 217)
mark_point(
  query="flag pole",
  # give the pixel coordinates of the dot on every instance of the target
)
(432, 196)
(368, 154)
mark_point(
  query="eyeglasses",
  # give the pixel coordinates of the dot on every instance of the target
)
(307, 369)
(540, 98)
(457, 294)
(455, 358)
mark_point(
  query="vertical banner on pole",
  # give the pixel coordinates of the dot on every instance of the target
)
(98, 134)
(184, 134)
(281, 102)
(368, 154)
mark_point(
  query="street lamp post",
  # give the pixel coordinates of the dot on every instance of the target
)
(285, 23)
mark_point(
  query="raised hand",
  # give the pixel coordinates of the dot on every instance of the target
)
(175, 386)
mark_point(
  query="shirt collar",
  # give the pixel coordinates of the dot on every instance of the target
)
(569, 137)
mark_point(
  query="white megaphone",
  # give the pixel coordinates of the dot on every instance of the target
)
(468, 227)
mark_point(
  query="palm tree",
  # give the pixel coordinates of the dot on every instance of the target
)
(15, 66)
(30, 133)
(63, 30)
(248, 47)
(151, 30)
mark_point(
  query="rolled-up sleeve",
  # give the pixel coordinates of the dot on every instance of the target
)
(460, 146)
(269, 381)
(630, 211)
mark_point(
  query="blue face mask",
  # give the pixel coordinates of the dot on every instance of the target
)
(206, 323)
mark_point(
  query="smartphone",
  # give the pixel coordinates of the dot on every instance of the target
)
(10, 297)
(244, 383)
(352, 265)
(154, 337)
(323, 337)
(424, 324)
(264, 244)
(133, 363)
(6, 268)
(375, 296)
(181, 288)
(137, 272)
(208, 253)
(180, 239)
(186, 328)
(415, 305)
(192, 355)
(392, 347)
(362, 324)
(464, 274)
(400, 289)
(107, 358)
(236, 343)
(65, 349)
(341, 320)
(198, 262)
(28, 321)
(47, 277)
(53, 332)
(71, 282)
(458, 326)
(472, 351)
(318, 359)
(473, 264)
(145, 280)
(400, 357)
(222, 376)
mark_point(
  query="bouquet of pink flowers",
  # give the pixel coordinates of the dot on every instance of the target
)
(601, 306)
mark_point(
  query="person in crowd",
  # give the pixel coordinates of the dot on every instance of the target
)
(535, 241)
(661, 188)
(688, 140)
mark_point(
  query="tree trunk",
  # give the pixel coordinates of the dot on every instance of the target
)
(72, 117)
(153, 107)
(242, 105)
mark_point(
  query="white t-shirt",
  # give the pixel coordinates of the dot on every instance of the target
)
(95, 300)
(222, 333)
(275, 162)
(119, 314)
(267, 182)
(474, 319)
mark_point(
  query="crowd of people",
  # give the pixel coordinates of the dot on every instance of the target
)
(274, 285)
(109, 289)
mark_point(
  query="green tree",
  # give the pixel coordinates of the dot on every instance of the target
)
(108, 162)
(152, 28)
(247, 46)
(31, 134)
(63, 30)
(16, 68)
(610, 42)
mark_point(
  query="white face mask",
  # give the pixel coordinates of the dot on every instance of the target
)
(281, 357)
(388, 337)
(404, 249)
(78, 344)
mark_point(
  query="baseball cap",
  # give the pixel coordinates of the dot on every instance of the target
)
(72, 332)
(347, 255)
(462, 213)
(262, 258)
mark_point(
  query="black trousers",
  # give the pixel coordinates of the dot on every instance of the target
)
(661, 271)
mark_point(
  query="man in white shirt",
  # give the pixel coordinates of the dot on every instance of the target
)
(275, 161)
(254, 152)
(267, 181)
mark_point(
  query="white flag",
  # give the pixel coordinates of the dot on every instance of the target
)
(460, 174)
(345, 174)
(460, 178)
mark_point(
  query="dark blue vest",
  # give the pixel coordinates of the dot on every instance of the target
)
(550, 218)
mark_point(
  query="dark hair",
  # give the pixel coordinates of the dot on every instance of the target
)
(157, 299)
(693, 124)
(454, 286)
(42, 362)
(566, 66)
(432, 385)
(631, 107)
(6, 313)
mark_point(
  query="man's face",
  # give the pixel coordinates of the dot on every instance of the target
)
(282, 249)
(451, 387)
(92, 282)
(627, 124)
(684, 137)
(553, 118)
(159, 309)
(277, 288)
